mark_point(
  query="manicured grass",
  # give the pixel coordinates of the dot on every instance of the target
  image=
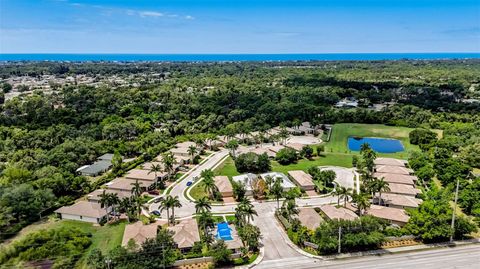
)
(341, 132)
(197, 192)
(227, 168)
(334, 159)
(105, 237)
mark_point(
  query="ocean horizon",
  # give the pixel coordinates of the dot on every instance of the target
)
(79, 57)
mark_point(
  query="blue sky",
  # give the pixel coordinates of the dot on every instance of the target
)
(244, 26)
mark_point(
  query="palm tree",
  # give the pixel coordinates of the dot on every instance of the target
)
(105, 202)
(174, 202)
(126, 205)
(168, 161)
(283, 134)
(232, 145)
(155, 169)
(136, 188)
(363, 202)
(382, 186)
(277, 191)
(343, 193)
(192, 150)
(209, 182)
(290, 208)
(164, 205)
(202, 205)
(246, 211)
(114, 202)
(205, 220)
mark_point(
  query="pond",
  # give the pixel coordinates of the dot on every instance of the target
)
(381, 145)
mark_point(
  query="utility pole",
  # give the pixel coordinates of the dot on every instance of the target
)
(339, 239)
(454, 211)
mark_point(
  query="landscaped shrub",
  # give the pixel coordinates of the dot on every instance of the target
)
(253, 163)
(286, 156)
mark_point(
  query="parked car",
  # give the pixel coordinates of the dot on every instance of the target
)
(154, 192)
(157, 200)
(189, 183)
(156, 213)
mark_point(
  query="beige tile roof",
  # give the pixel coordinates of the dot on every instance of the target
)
(309, 218)
(185, 144)
(390, 161)
(148, 165)
(140, 232)
(223, 184)
(393, 169)
(186, 233)
(83, 208)
(260, 151)
(95, 195)
(397, 178)
(180, 151)
(340, 213)
(400, 200)
(403, 189)
(276, 148)
(388, 213)
(125, 184)
(141, 174)
(301, 178)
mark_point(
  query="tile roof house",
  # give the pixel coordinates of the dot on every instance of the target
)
(403, 189)
(302, 179)
(393, 169)
(139, 232)
(186, 233)
(94, 196)
(340, 213)
(394, 215)
(390, 162)
(286, 182)
(125, 184)
(398, 201)
(83, 211)
(309, 218)
(295, 146)
(224, 186)
(246, 179)
(143, 175)
(260, 151)
(276, 148)
(397, 178)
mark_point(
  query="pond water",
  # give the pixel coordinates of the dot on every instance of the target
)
(381, 145)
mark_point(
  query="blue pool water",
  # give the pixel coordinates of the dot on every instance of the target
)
(223, 231)
(381, 145)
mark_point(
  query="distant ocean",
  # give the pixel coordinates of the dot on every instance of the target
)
(236, 57)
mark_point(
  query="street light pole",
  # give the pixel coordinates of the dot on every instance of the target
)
(339, 239)
(454, 211)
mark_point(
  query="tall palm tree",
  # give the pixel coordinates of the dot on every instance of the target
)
(136, 188)
(156, 168)
(277, 191)
(202, 205)
(105, 202)
(344, 194)
(246, 211)
(290, 209)
(205, 221)
(232, 145)
(283, 134)
(192, 150)
(209, 182)
(114, 202)
(164, 205)
(174, 202)
(127, 206)
(382, 186)
(168, 161)
(363, 202)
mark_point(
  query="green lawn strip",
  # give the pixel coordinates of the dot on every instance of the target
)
(341, 132)
(197, 192)
(227, 168)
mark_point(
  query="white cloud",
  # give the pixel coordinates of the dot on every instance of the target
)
(150, 14)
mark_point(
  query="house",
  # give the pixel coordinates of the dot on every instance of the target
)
(95, 196)
(347, 102)
(393, 169)
(261, 151)
(403, 189)
(286, 183)
(186, 234)
(95, 169)
(302, 179)
(139, 233)
(393, 215)
(234, 243)
(309, 218)
(275, 149)
(295, 146)
(106, 157)
(397, 201)
(338, 213)
(144, 175)
(247, 180)
(390, 162)
(305, 128)
(397, 178)
(83, 211)
(125, 185)
(224, 186)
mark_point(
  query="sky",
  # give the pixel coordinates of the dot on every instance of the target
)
(243, 26)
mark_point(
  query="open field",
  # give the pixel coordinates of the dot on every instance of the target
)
(341, 132)
(105, 237)
(333, 159)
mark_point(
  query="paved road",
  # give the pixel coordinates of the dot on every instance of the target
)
(465, 257)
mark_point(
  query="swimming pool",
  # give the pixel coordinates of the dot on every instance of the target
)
(223, 231)
(381, 145)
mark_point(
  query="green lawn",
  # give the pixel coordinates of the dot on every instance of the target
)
(197, 192)
(341, 132)
(104, 237)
